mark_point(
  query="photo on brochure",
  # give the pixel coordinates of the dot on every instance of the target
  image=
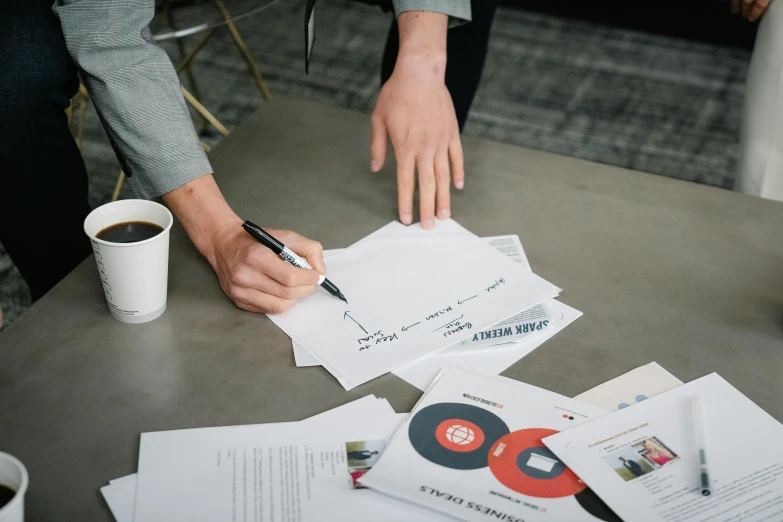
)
(640, 458)
(361, 456)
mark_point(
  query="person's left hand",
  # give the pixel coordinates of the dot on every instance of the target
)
(752, 10)
(416, 112)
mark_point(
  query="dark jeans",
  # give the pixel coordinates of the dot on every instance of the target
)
(43, 183)
(466, 48)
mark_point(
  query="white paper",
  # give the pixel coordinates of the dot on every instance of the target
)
(511, 246)
(465, 447)
(409, 295)
(635, 386)
(659, 479)
(273, 472)
(520, 324)
(488, 362)
(120, 494)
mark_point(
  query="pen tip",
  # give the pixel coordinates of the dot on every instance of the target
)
(343, 298)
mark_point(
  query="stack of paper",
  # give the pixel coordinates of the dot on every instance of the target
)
(422, 300)
(312, 465)
(272, 472)
(479, 448)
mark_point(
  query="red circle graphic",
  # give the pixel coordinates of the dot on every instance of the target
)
(503, 464)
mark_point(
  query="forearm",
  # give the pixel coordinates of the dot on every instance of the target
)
(423, 42)
(136, 92)
(203, 211)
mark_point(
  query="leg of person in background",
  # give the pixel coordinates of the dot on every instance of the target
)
(466, 49)
(43, 182)
(761, 144)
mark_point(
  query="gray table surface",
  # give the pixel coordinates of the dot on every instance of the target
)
(685, 275)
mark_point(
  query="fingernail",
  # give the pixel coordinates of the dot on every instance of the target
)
(459, 184)
(444, 213)
(428, 224)
(374, 164)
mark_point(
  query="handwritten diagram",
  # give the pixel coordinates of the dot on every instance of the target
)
(451, 327)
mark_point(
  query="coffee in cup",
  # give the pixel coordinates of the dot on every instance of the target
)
(130, 239)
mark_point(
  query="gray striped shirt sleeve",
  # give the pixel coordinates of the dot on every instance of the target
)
(136, 92)
(458, 10)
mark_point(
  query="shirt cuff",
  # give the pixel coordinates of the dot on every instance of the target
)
(457, 10)
(149, 184)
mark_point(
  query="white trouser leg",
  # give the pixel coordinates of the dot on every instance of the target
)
(761, 151)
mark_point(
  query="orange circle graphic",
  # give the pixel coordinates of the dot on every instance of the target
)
(459, 435)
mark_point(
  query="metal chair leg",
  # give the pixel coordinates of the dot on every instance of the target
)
(185, 62)
(244, 51)
(118, 186)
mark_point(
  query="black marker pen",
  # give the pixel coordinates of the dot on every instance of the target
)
(285, 253)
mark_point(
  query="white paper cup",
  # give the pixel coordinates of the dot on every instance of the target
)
(134, 275)
(13, 475)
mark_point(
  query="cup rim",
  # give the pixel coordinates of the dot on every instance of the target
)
(22, 490)
(137, 243)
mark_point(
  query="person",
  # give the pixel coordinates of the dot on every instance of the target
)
(361, 454)
(760, 170)
(43, 183)
(466, 47)
(656, 453)
(632, 466)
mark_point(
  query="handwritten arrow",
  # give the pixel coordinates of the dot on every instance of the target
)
(406, 328)
(354, 320)
(452, 321)
(468, 299)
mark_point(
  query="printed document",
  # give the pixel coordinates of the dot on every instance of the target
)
(120, 494)
(472, 449)
(642, 460)
(488, 362)
(287, 472)
(635, 386)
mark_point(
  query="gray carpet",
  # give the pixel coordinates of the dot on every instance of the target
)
(641, 101)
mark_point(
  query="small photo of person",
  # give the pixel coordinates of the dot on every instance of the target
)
(640, 458)
(655, 452)
(361, 457)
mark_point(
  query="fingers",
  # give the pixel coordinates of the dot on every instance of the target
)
(258, 276)
(427, 188)
(307, 248)
(442, 186)
(457, 162)
(405, 187)
(259, 302)
(758, 9)
(377, 142)
(735, 6)
(746, 5)
(287, 274)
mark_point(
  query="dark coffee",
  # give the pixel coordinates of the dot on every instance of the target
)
(6, 495)
(130, 232)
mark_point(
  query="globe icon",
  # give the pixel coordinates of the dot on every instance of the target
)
(460, 435)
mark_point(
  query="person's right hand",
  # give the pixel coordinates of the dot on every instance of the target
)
(255, 278)
(752, 10)
(250, 274)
